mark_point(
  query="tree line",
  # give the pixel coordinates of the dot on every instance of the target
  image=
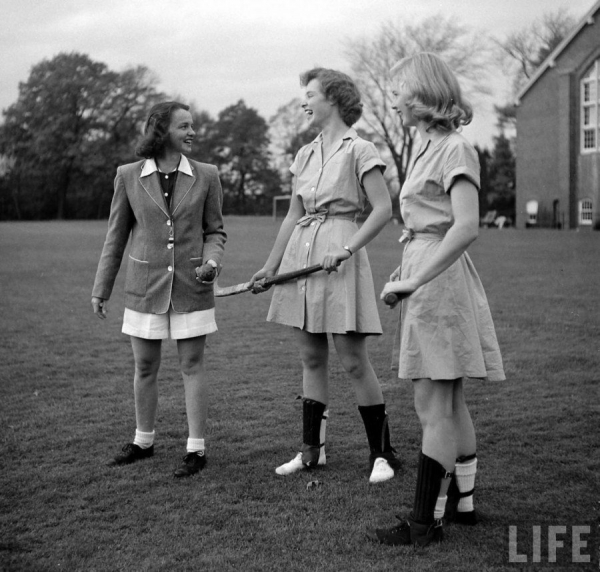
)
(75, 121)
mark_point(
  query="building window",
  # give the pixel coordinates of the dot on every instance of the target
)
(531, 208)
(589, 139)
(585, 212)
(589, 109)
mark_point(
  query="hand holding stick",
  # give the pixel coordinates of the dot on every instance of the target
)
(266, 282)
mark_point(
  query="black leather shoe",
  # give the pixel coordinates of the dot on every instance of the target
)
(394, 536)
(470, 518)
(192, 463)
(130, 454)
(408, 532)
(423, 534)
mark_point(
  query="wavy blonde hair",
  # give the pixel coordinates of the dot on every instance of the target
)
(435, 94)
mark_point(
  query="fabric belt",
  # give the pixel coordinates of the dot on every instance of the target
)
(409, 234)
(320, 216)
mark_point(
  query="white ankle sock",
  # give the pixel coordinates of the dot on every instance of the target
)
(440, 507)
(195, 445)
(465, 481)
(144, 440)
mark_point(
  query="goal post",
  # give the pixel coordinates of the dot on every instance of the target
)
(281, 204)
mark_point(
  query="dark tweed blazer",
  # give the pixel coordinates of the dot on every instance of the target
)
(165, 247)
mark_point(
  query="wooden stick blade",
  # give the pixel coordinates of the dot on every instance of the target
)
(272, 280)
(231, 290)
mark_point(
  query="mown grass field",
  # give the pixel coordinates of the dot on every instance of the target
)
(66, 407)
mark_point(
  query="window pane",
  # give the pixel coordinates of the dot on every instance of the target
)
(586, 92)
(590, 117)
(585, 211)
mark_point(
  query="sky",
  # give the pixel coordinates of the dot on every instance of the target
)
(216, 52)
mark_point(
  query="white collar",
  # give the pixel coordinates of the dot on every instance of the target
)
(150, 167)
(350, 134)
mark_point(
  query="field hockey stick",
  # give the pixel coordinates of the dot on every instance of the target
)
(266, 282)
(391, 298)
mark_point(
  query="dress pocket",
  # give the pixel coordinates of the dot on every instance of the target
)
(136, 282)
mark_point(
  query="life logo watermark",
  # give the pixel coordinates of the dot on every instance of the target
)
(554, 544)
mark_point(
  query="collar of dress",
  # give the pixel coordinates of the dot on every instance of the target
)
(350, 134)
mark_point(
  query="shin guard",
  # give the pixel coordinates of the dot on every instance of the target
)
(312, 416)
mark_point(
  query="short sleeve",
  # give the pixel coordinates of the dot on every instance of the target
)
(462, 161)
(367, 158)
(294, 166)
(300, 159)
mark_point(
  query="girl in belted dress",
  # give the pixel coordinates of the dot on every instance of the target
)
(446, 330)
(334, 177)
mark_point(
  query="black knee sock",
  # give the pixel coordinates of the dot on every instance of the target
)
(429, 480)
(312, 415)
(376, 425)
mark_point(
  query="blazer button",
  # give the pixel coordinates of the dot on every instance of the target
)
(170, 269)
(169, 222)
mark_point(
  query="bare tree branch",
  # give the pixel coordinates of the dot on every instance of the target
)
(372, 58)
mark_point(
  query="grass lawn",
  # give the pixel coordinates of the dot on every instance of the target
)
(66, 407)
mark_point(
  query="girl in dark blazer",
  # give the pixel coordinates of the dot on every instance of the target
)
(169, 207)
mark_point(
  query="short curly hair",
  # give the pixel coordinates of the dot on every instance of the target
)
(338, 88)
(156, 131)
(435, 94)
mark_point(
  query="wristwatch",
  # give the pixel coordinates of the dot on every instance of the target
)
(346, 247)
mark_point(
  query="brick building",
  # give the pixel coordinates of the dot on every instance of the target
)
(558, 134)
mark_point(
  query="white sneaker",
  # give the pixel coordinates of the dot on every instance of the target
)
(296, 465)
(381, 471)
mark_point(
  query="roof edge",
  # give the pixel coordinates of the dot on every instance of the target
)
(550, 61)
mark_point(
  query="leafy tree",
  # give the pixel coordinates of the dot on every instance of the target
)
(288, 132)
(484, 157)
(507, 117)
(242, 153)
(371, 60)
(132, 93)
(46, 128)
(501, 178)
(73, 122)
(205, 142)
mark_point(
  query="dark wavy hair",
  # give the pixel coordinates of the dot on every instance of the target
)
(435, 94)
(156, 131)
(339, 89)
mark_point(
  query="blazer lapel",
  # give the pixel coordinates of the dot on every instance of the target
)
(185, 180)
(151, 185)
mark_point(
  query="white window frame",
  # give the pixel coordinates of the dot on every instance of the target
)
(586, 212)
(531, 208)
(589, 117)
